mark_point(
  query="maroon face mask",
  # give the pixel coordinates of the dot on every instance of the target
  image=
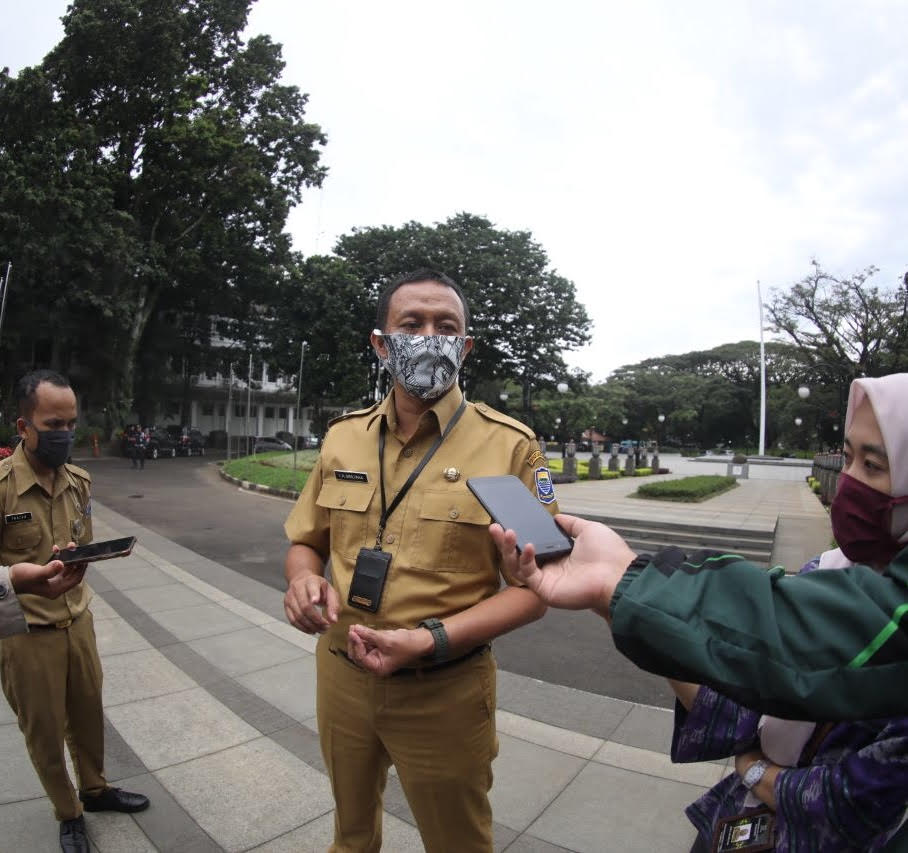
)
(862, 522)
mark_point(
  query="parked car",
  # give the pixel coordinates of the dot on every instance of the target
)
(266, 444)
(188, 440)
(160, 444)
(301, 441)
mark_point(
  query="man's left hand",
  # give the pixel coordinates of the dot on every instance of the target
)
(384, 652)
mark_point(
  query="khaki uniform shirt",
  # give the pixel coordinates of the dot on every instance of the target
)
(442, 557)
(33, 521)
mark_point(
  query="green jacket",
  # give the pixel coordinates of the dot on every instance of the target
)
(827, 645)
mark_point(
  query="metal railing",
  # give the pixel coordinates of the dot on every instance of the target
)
(826, 470)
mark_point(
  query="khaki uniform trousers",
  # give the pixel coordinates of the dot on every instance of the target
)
(436, 728)
(52, 681)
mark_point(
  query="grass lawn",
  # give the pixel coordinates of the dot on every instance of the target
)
(688, 489)
(274, 469)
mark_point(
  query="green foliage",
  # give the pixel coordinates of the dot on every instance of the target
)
(688, 489)
(524, 314)
(844, 327)
(147, 167)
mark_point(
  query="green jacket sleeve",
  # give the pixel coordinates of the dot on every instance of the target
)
(827, 645)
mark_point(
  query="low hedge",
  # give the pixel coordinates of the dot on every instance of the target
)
(688, 489)
(263, 471)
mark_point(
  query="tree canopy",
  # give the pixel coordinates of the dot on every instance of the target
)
(147, 165)
(524, 315)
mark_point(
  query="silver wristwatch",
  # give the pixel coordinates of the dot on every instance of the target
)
(754, 773)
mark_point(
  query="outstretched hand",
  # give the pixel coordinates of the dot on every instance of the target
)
(49, 581)
(585, 578)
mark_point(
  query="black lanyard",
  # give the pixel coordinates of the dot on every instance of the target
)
(387, 510)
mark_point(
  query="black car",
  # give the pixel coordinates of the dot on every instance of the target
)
(188, 441)
(160, 444)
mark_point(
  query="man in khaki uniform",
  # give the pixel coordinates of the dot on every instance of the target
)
(52, 675)
(405, 674)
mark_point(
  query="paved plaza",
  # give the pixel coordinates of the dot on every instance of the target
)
(210, 711)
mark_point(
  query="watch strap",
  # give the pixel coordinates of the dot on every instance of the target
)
(440, 635)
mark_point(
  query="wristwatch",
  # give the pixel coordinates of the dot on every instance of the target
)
(440, 636)
(754, 773)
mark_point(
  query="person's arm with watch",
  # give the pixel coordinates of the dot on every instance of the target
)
(383, 652)
(758, 774)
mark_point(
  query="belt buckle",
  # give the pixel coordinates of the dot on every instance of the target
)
(64, 623)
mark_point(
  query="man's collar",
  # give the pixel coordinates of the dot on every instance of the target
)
(444, 408)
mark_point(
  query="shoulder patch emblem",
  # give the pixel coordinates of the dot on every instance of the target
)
(545, 489)
(537, 457)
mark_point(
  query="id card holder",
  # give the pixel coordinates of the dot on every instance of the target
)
(369, 576)
(746, 833)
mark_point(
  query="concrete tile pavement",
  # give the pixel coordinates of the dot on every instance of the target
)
(210, 710)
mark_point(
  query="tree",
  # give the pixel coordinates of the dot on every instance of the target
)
(844, 327)
(148, 164)
(322, 304)
(525, 315)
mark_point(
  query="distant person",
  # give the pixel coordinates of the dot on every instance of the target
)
(684, 618)
(139, 447)
(405, 672)
(833, 786)
(52, 675)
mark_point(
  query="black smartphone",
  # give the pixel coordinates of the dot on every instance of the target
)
(512, 505)
(105, 550)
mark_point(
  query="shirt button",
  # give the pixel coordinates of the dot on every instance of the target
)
(341, 500)
(408, 452)
(453, 513)
(390, 539)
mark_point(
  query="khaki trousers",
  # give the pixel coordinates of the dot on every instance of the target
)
(52, 681)
(436, 728)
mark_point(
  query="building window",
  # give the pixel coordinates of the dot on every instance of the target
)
(239, 411)
(269, 412)
(222, 410)
(282, 413)
(207, 409)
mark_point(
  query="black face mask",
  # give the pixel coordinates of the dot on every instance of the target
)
(54, 445)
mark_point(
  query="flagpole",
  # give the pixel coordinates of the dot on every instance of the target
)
(762, 447)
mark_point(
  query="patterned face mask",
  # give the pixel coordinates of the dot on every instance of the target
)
(425, 366)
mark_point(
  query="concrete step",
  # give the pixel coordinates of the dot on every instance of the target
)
(648, 536)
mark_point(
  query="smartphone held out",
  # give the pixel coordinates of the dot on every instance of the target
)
(512, 505)
(106, 550)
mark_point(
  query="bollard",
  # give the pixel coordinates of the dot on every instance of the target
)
(95, 448)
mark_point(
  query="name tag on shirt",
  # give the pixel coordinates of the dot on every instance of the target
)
(14, 517)
(352, 476)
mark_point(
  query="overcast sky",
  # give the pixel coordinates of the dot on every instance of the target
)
(667, 155)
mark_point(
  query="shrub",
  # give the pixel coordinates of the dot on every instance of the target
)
(688, 489)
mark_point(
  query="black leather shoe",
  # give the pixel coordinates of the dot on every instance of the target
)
(72, 836)
(114, 800)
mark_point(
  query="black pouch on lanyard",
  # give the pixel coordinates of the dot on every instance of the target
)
(369, 576)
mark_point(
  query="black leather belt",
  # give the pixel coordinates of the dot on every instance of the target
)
(420, 670)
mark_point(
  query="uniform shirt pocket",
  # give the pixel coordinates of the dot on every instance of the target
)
(21, 537)
(348, 503)
(452, 534)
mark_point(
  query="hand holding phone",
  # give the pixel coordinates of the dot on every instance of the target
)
(512, 505)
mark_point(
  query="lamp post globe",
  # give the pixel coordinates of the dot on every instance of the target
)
(562, 387)
(503, 396)
(798, 422)
(803, 392)
(661, 419)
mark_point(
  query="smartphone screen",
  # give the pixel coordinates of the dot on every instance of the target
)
(512, 505)
(96, 551)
